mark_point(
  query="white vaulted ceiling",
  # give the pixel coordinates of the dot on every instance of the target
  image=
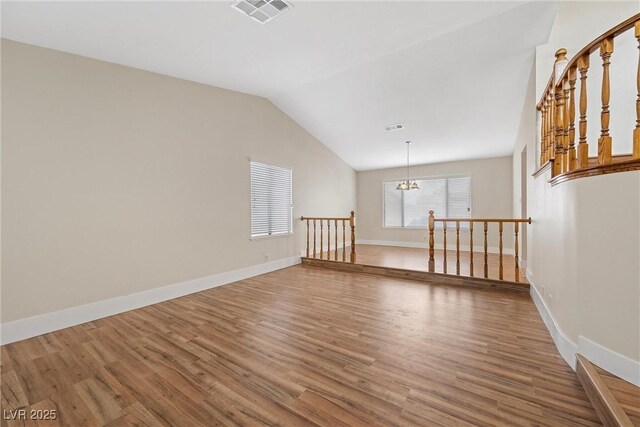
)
(454, 73)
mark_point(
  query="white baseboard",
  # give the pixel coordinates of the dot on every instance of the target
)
(619, 365)
(450, 247)
(565, 346)
(49, 322)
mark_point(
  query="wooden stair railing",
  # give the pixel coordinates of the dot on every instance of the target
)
(312, 250)
(557, 107)
(595, 384)
(485, 227)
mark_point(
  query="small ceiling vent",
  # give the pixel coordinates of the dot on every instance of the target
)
(397, 126)
(262, 11)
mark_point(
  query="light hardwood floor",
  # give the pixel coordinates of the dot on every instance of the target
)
(304, 346)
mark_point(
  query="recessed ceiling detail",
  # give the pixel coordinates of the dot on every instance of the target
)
(262, 11)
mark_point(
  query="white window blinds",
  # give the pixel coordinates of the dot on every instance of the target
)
(271, 200)
(448, 197)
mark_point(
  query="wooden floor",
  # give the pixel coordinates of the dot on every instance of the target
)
(304, 346)
(627, 395)
(417, 259)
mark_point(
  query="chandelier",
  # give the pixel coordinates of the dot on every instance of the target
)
(408, 184)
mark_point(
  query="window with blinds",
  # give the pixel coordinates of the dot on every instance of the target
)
(271, 200)
(448, 197)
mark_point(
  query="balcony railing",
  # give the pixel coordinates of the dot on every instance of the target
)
(558, 108)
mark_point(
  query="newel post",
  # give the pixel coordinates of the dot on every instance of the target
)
(432, 226)
(352, 223)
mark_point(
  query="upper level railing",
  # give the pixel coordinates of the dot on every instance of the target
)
(324, 251)
(557, 107)
(484, 223)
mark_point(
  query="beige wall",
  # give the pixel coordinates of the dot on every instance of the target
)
(116, 180)
(585, 258)
(526, 137)
(584, 243)
(491, 197)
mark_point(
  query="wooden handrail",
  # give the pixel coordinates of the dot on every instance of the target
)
(595, 44)
(527, 220)
(589, 49)
(431, 225)
(558, 109)
(325, 218)
(311, 246)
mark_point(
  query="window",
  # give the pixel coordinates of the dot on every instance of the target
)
(448, 197)
(271, 200)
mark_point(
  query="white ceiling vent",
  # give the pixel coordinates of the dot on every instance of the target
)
(262, 11)
(397, 126)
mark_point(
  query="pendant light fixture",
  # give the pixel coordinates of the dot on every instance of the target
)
(408, 184)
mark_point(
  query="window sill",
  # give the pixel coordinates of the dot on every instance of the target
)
(273, 236)
(404, 228)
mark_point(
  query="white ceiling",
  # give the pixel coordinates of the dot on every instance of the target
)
(454, 73)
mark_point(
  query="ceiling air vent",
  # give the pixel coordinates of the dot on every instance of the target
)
(262, 11)
(397, 126)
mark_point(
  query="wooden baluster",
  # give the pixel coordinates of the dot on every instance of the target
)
(548, 136)
(431, 225)
(545, 107)
(321, 237)
(559, 131)
(541, 109)
(542, 118)
(583, 146)
(344, 241)
(314, 238)
(604, 143)
(486, 257)
(458, 248)
(571, 164)
(515, 248)
(335, 223)
(547, 124)
(352, 222)
(636, 131)
(471, 248)
(307, 238)
(558, 94)
(500, 248)
(550, 123)
(565, 126)
(444, 233)
(543, 137)
(328, 239)
(545, 151)
(551, 126)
